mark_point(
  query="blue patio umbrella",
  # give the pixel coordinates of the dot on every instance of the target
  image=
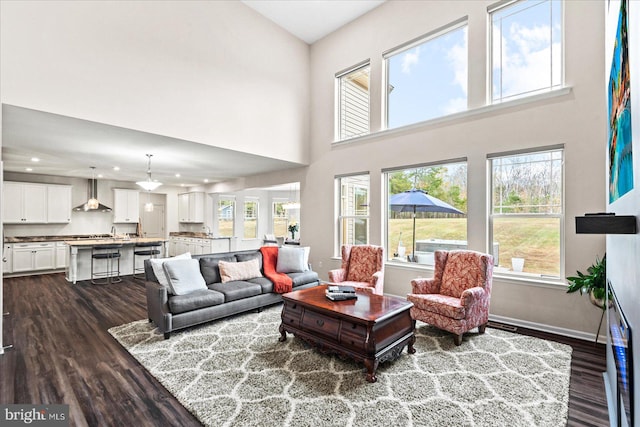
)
(415, 200)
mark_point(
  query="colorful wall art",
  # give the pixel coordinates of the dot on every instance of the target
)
(620, 153)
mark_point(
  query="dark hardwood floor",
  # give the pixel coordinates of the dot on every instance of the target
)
(63, 354)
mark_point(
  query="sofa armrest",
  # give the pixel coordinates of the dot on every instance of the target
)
(338, 275)
(425, 286)
(158, 306)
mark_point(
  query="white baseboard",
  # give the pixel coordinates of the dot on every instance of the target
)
(586, 336)
(571, 333)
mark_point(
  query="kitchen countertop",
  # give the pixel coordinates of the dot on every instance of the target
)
(110, 241)
(194, 234)
(61, 238)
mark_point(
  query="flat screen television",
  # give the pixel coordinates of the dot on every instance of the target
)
(621, 346)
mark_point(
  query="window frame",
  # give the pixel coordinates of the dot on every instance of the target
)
(338, 100)
(560, 216)
(504, 4)
(386, 55)
(256, 201)
(339, 205)
(231, 199)
(274, 202)
(386, 172)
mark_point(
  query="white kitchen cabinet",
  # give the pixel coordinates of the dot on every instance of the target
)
(24, 203)
(126, 205)
(58, 203)
(33, 256)
(191, 207)
(61, 255)
(7, 258)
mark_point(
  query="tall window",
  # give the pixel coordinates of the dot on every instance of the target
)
(439, 220)
(353, 102)
(251, 219)
(279, 216)
(526, 213)
(226, 216)
(526, 48)
(427, 78)
(353, 210)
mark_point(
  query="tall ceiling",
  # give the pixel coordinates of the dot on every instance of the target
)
(67, 146)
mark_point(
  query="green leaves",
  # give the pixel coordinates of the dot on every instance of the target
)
(595, 280)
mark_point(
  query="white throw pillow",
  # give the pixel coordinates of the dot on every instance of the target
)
(231, 271)
(156, 265)
(184, 276)
(291, 260)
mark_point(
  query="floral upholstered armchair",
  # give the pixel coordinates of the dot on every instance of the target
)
(362, 267)
(457, 298)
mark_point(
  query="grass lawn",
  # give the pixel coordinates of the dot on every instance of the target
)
(536, 240)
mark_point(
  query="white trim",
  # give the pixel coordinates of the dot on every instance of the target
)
(419, 126)
(571, 333)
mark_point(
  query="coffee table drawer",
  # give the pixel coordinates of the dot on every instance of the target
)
(320, 323)
(349, 339)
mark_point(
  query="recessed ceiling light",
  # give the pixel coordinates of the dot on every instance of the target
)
(35, 159)
(116, 168)
(177, 175)
(99, 175)
(206, 180)
(181, 185)
(28, 169)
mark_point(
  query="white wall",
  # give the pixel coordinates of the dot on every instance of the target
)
(213, 72)
(623, 251)
(575, 119)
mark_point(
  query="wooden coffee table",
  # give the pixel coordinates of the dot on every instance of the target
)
(370, 329)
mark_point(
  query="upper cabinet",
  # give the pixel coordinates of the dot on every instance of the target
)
(58, 203)
(191, 207)
(126, 205)
(31, 203)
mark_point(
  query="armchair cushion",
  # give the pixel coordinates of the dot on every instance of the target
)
(338, 275)
(363, 263)
(462, 270)
(441, 304)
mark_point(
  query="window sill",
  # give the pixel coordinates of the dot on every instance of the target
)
(535, 280)
(457, 116)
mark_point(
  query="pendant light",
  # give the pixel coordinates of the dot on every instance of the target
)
(92, 203)
(149, 185)
(292, 203)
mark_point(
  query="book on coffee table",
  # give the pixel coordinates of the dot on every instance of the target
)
(341, 289)
(340, 296)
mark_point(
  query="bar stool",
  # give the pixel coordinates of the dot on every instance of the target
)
(111, 254)
(144, 249)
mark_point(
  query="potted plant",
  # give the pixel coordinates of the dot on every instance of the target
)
(594, 282)
(293, 227)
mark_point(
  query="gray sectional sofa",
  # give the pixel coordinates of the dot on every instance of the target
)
(170, 312)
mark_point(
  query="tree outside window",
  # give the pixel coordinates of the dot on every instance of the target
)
(526, 212)
(434, 231)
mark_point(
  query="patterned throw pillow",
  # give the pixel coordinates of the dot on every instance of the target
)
(231, 271)
(362, 263)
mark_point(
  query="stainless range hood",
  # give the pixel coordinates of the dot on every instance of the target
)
(93, 192)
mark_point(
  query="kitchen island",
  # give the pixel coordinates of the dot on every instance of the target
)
(79, 255)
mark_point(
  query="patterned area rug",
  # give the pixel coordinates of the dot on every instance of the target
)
(235, 372)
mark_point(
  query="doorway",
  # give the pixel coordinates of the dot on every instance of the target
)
(153, 223)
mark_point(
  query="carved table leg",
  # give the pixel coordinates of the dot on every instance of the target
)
(283, 333)
(412, 341)
(371, 365)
